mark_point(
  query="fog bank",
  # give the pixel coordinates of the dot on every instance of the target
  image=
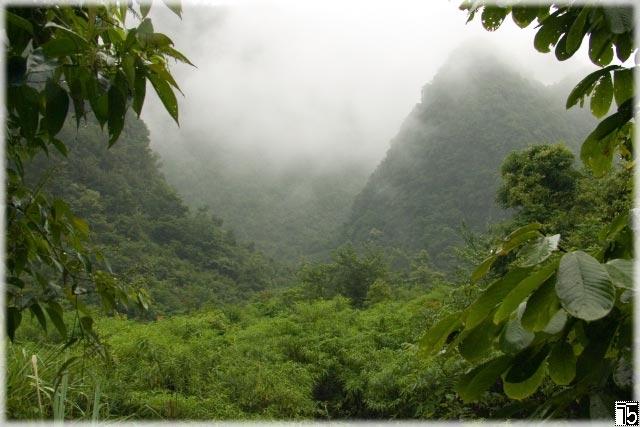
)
(325, 81)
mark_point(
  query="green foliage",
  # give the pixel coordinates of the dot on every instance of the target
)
(47, 381)
(584, 286)
(583, 345)
(278, 357)
(556, 315)
(65, 59)
(349, 275)
(539, 181)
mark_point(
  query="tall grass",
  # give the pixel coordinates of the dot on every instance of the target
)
(48, 384)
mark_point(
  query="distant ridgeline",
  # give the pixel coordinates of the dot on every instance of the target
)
(291, 212)
(442, 169)
(185, 259)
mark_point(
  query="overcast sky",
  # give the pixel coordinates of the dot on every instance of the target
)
(318, 78)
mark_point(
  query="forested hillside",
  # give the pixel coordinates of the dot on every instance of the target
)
(291, 212)
(185, 258)
(442, 169)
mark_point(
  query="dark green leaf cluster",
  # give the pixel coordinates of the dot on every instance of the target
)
(570, 315)
(550, 313)
(62, 59)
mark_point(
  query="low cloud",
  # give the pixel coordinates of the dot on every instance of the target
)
(325, 81)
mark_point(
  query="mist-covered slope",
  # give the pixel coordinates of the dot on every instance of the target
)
(185, 258)
(292, 211)
(442, 168)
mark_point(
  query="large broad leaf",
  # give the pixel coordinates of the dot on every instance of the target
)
(578, 30)
(523, 290)
(492, 17)
(541, 306)
(99, 100)
(622, 85)
(129, 68)
(26, 103)
(145, 7)
(36, 310)
(611, 123)
(62, 46)
(562, 51)
(556, 323)
(479, 341)
(57, 106)
(62, 31)
(584, 287)
(621, 272)
(619, 18)
(600, 47)
(117, 109)
(514, 242)
(549, 33)
(538, 251)
(483, 305)
(483, 268)
(525, 388)
(524, 15)
(586, 85)
(514, 337)
(175, 54)
(526, 364)
(18, 22)
(140, 88)
(597, 154)
(562, 363)
(433, 340)
(597, 336)
(474, 383)
(145, 27)
(624, 46)
(163, 73)
(602, 96)
(534, 226)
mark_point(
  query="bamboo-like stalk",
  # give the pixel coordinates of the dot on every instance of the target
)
(34, 364)
(96, 403)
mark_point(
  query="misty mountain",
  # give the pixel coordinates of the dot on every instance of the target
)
(185, 258)
(441, 171)
(292, 210)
